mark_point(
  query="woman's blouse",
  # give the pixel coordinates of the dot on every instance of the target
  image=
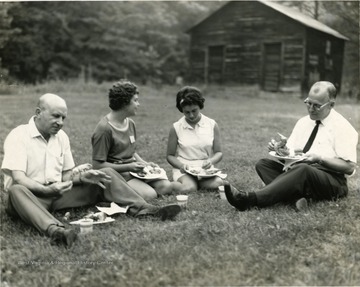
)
(114, 144)
(194, 144)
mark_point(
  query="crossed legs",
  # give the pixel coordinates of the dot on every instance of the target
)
(302, 180)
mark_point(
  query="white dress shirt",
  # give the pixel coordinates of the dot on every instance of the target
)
(336, 137)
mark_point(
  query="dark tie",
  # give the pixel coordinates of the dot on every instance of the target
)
(312, 137)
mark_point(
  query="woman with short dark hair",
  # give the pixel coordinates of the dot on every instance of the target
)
(114, 145)
(194, 141)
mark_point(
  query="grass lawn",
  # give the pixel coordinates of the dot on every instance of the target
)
(210, 243)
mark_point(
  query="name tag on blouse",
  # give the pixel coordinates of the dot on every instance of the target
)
(132, 139)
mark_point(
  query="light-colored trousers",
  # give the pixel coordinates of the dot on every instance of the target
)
(36, 210)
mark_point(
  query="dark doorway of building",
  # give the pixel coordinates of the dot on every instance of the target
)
(216, 64)
(272, 66)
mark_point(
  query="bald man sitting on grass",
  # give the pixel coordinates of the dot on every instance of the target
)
(40, 176)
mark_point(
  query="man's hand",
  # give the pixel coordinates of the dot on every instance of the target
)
(59, 188)
(271, 145)
(311, 158)
(82, 167)
(95, 177)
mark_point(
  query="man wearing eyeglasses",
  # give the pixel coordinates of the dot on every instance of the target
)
(328, 142)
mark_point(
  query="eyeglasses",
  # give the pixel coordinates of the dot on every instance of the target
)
(316, 107)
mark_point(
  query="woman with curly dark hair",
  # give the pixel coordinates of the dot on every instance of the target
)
(194, 142)
(114, 145)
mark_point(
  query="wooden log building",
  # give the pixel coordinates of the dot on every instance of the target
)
(265, 43)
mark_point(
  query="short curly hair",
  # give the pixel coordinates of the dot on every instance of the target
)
(121, 94)
(188, 96)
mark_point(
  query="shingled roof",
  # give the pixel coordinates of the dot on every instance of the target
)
(293, 14)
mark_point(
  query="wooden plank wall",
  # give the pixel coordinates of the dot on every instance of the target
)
(330, 63)
(243, 27)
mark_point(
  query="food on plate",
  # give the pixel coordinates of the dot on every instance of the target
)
(154, 170)
(298, 152)
(149, 170)
(195, 171)
(211, 171)
(201, 171)
(98, 216)
(280, 147)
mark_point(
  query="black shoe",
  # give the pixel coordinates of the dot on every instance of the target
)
(165, 212)
(168, 212)
(229, 194)
(240, 200)
(63, 236)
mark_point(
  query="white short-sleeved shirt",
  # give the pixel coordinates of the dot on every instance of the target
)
(194, 144)
(26, 150)
(336, 137)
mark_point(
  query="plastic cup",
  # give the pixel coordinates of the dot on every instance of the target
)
(86, 225)
(182, 200)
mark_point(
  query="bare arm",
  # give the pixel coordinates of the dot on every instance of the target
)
(120, 167)
(85, 174)
(52, 190)
(171, 150)
(217, 157)
(139, 158)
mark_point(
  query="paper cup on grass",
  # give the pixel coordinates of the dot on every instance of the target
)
(86, 225)
(222, 193)
(182, 200)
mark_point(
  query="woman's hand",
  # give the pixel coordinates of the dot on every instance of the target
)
(184, 168)
(136, 166)
(97, 177)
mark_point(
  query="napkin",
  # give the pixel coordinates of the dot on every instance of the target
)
(114, 208)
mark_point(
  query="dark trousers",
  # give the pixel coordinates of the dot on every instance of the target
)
(302, 180)
(36, 210)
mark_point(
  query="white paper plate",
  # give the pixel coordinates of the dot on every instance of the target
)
(107, 220)
(199, 172)
(113, 209)
(147, 176)
(290, 158)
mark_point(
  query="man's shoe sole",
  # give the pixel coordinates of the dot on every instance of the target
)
(168, 212)
(70, 237)
(67, 237)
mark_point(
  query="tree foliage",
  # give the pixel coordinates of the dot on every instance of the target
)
(142, 40)
(342, 16)
(102, 40)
